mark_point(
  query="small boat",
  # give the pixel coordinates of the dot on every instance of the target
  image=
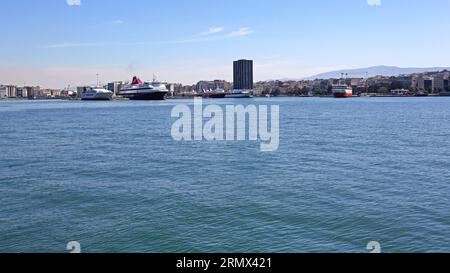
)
(421, 94)
(96, 93)
(216, 94)
(239, 94)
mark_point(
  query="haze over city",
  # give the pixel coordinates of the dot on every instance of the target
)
(69, 41)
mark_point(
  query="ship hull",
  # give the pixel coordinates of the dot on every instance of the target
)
(243, 95)
(342, 95)
(96, 97)
(145, 96)
(214, 96)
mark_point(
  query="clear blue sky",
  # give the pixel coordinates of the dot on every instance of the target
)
(52, 43)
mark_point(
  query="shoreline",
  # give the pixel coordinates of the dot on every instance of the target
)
(255, 97)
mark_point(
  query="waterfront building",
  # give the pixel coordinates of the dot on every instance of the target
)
(357, 81)
(32, 92)
(414, 81)
(422, 82)
(404, 81)
(24, 92)
(21, 92)
(203, 86)
(175, 88)
(243, 74)
(321, 84)
(441, 81)
(3, 93)
(115, 87)
(171, 88)
(11, 91)
(226, 86)
(54, 93)
(81, 89)
(44, 93)
(428, 84)
(110, 86)
(185, 89)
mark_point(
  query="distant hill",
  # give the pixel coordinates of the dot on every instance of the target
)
(376, 71)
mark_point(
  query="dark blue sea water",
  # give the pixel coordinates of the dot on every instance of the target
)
(110, 176)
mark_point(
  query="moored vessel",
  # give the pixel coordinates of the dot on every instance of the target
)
(139, 90)
(421, 94)
(239, 94)
(96, 93)
(342, 91)
(216, 94)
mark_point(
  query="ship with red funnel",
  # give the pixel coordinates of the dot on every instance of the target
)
(139, 90)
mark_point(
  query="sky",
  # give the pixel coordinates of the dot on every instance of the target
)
(56, 43)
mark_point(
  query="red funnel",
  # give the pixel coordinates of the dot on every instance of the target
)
(136, 80)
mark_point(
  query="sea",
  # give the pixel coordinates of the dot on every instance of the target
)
(110, 176)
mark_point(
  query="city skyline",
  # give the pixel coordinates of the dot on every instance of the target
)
(64, 42)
